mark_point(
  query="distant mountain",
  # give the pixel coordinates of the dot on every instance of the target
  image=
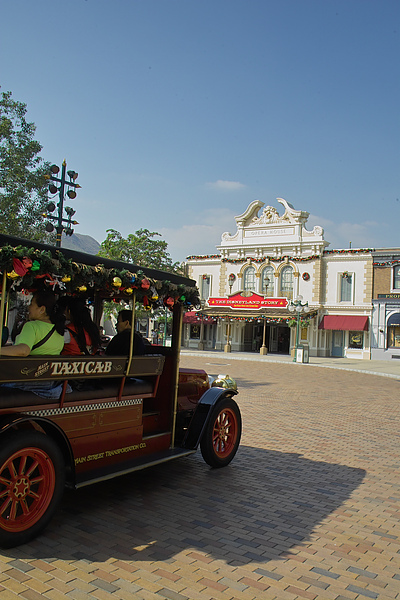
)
(80, 242)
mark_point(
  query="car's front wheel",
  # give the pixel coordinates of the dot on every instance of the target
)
(221, 438)
(32, 478)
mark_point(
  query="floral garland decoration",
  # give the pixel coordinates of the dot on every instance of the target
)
(271, 259)
(290, 321)
(350, 251)
(388, 263)
(30, 268)
(205, 257)
(281, 258)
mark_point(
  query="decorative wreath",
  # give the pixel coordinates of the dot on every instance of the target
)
(306, 276)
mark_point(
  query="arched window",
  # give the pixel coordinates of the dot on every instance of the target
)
(287, 282)
(267, 282)
(249, 280)
(393, 331)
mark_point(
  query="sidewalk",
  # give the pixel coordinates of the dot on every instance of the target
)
(383, 368)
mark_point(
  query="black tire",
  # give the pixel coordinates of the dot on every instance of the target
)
(32, 479)
(221, 437)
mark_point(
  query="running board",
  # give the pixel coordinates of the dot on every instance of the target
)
(135, 465)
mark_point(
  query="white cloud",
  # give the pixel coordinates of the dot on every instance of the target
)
(361, 235)
(226, 186)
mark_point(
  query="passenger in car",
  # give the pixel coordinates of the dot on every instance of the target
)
(82, 335)
(44, 332)
(41, 335)
(120, 343)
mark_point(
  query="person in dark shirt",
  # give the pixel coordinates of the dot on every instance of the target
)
(120, 344)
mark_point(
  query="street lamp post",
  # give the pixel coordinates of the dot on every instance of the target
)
(299, 307)
(264, 349)
(201, 339)
(228, 347)
(231, 281)
(61, 223)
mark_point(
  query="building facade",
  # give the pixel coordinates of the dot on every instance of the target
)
(385, 330)
(249, 285)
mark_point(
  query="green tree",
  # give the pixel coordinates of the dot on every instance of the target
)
(140, 248)
(23, 187)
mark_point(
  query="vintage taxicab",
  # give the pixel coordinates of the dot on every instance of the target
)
(128, 413)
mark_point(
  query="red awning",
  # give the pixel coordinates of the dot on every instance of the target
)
(344, 323)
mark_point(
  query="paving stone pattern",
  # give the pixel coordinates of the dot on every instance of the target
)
(309, 509)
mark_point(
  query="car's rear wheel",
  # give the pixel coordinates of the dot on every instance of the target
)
(221, 438)
(32, 478)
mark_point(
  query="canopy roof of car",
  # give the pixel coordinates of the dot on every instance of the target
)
(27, 263)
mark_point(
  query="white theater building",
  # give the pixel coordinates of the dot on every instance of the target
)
(248, 287)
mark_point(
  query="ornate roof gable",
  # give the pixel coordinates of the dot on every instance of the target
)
(271, 228)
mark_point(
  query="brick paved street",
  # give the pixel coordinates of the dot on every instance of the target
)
(309, 508)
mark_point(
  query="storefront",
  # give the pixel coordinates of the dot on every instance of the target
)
(386, 327)
(348, 335)
(245, 322)
(385, 322)
(199, 331)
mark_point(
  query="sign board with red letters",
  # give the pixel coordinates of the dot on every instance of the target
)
(255, 302)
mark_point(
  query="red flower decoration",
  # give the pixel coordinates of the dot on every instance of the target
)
(27, 262)
(145, 284)
(19, 267)
(169, 302)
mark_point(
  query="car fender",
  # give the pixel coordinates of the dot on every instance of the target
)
(202, 415)
(10, 423)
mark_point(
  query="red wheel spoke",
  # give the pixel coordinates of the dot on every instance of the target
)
(13, 511)
(5, 505)
(34, 495)
(22, 465)
(4, 481)
(25, 508)
(32, 468)
(13, 470)
(224, 419)
(39, 479)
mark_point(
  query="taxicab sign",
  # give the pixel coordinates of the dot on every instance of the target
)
(254, 301)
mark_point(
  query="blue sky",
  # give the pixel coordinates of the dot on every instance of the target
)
(179, 113)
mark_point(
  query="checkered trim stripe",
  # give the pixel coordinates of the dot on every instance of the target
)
(50, 412)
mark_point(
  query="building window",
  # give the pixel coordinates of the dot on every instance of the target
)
(267, 282)
(195, 332)
(287, 282)
(394, 336)
(356, 339)
(249, 280)
(396, 278)
(346, 287)
(205, 284)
